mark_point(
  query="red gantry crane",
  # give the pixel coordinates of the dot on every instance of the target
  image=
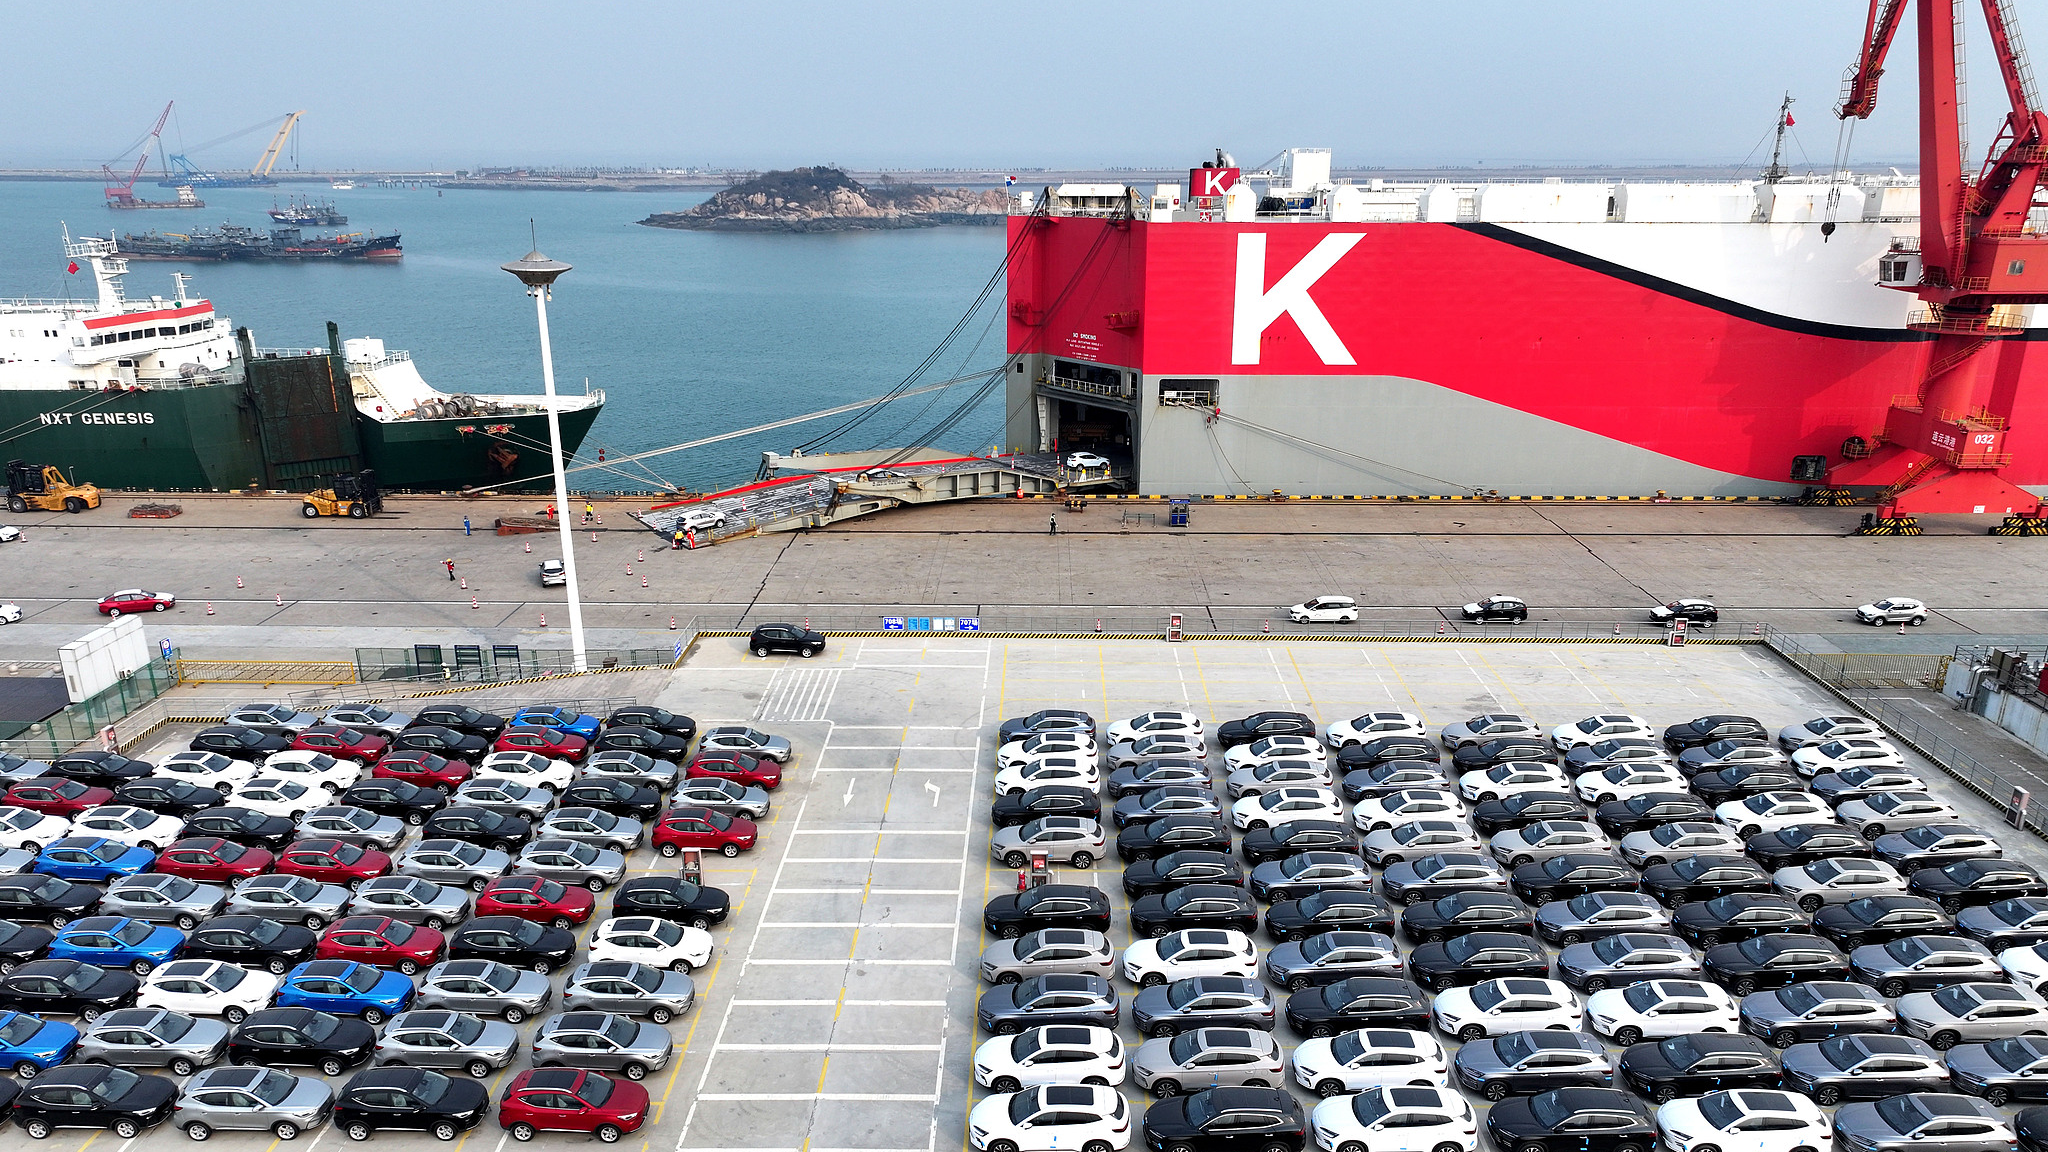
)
(1976, 263)
(123, 195)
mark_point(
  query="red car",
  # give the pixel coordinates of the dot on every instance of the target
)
(382, 942)
(546, 741)
(342, 743)
(737, 767)
(333, 862)
(57, 796)
(135, 600)
(705, 830)
(212, 859)
(571, 1100)
(424, 769)
(538, 899)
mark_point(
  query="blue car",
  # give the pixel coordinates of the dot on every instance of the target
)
(29, 1044)
(558, 720)
(345, 988)
(117, 942)
(92, 858)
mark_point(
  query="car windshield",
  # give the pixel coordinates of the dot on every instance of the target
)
(1488, 995)
(1368, 1106)
(1955, 1000)
(528, 933)
(1612, 948)
(1550, 1109)
(2013, 1053)
(273, 1087)
(1840, 1052)
(431, 1087)
(362, 977)
(117, 1082)
(133, 932)
(1718, 1109)
(319, 1026)
(1462, 949)
(1967, 872)
(82, 977)
(1903, 1113)
(1641, 997)
(1800, 998)
(621, 1030)
(1181, 992)
(19, 1029)
(1758, 949)
(1910, 950)
(1584, 907)
(1024, 1105)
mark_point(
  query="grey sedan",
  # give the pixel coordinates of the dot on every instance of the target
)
(1208, 1057)
(410, 899)
(288, 900)
(626, 764)
(1925, 1122)
(1153, 748)
(1330, 957)
(353, 825)
(1983, 1011)
(485, 987)
(253, 1099)
(568, 862)
(740, 738)
(163, 899)
(152, 1038)
(602, 1041)
(15, 860)
(593, 826)
(632, 989)
(437, 1038)
(1626, 958)
(455, 862)
(505, 796)
(369, 718)
(727, 796)
(1078, 950)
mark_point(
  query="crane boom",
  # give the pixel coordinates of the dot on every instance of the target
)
(1859, 87)
(126, 192)
(268, 160)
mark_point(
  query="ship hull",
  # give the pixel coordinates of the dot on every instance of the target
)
(1436, 358)
(183, 439)
(439, 455)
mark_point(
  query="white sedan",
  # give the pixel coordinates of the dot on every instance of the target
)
(1355, 1061)
(1512, 779)
(1510, 1004)
(1086, 460)
(1053, 1054)
(1376, 812)
(1324, 610)
(1750, 1120)
(136, 827)
(1191, 952)
(1425, 1118)
(1771, 811)
(1373, 726)
(1847, 752)
(1069, 770)
(29, 829)
(314, 767)
(1607, 726)
(1151, 723)
(1267, 749)
(1623, 781)
(1874, 816)
(1659, 1009)
(1042, 744)
(1049, 1117)
(10, 613)
(529, 768)
(1284, 804)
(207, 988)
(9, 533)
(279, 796)
(206, 769)
(655, 943)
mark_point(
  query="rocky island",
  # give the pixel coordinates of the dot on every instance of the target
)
(828, 200)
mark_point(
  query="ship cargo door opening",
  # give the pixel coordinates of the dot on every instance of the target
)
(1090, 408)
(306, 416)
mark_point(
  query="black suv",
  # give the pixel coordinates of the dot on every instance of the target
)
(1707, 729)
(1260, 725)
(785, 638)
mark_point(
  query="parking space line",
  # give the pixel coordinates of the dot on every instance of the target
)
(831, 1047)
(871, 859)
(852, 924)
(870, 891)
(884, 831)
(899, 768)
(842, 963)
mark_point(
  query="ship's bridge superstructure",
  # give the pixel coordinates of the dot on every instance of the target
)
(112, 341)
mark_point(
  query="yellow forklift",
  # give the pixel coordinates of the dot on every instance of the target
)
(352, 495)
(44, 489)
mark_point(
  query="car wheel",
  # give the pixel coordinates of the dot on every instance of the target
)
(409, 967)
(522, 1132)
(761, 653)
(1518, 861)
(126, 1129)
(1096, 1146)
(1276, 1146)
(1596, 984)
(513, 1015)
(1749, 830)
(332, 1066)
(1532, 1147)
(1892, 988)
(1827, 1095)
(38, 1129)
(1159, 1030)
(1917, 621)
(1008, 1028)
(1944, 1040)
(1744, 986)
(91, 1014)
(197, 1131)
(373, 1016)
(186, 921)
(27, 1070)
(285, 1130)
(1351, 1146)
(182, 1066)
(1997, 1097)
(113, 612)
(1952, 906)
(1572, 937)
(1015, 860)
(807, 653)
(1471, 1032)
(1002, 1146)
(1298, 984)
(1180, 1147)
(1152, 980)
(1009, 932)
(59, 921)
(1709, 939)
(1329, 1088)
(635, 1070)
(1628, 1037)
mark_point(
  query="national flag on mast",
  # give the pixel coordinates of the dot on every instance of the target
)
(73, 269)
(1789, 121)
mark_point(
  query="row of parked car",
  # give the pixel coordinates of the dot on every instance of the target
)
(1504, 608)
(1752, 962)
(196, 911)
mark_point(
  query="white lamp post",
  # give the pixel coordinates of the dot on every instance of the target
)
(538, 273)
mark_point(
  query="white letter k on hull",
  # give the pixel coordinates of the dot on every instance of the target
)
(1257, 307)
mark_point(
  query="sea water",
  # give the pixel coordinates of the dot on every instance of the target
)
(689, 334)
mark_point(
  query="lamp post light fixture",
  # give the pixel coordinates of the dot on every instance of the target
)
(539, 273)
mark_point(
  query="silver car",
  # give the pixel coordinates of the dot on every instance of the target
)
(1924, 1122)
(1208, 1057)
(1626, 958)
(15, 860)
(568, 862)
(410, 899)
(253, 1099)
(452, 862)
(369, 718)
(276, 719)
(505, 797)
(1923, 962)
(1949, 1016)
(14, 767)
(1153, 748)
(352, 825)
(626, 764)
(161, 898)
(720, 795)
(1515, 847)
(593, 826)
(152, 1038)
(288, 900)
(1073, 840)
(632, 989)
(438, 1038)
(1081, 950)
(740, 738)
(602, 1041)
(485, 987)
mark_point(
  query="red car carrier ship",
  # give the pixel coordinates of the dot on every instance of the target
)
(1281, 329)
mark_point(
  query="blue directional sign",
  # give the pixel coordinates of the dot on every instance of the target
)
(970, 623)
(892, 623)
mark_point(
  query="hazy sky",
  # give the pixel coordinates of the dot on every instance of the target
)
(448, 83)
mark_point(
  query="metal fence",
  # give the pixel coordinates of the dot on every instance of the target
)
(1206, 622)
(485, 664)
(88, 719)
(1842, 674)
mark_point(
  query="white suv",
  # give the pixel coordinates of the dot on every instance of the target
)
(1893, 610)
(1325, 610)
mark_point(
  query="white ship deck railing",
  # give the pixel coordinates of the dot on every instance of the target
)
(25, 305)
(196, 380)
(385, 361)
(288, 353)
(1069, 383)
